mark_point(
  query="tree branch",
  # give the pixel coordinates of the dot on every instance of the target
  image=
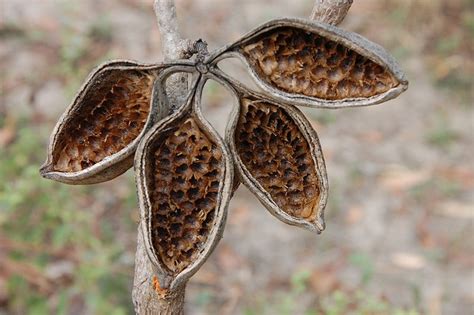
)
(145, 298)
(330, 11)
(174, 47)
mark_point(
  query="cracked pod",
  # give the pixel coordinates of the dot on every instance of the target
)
(314, 64)
(96, 137)
(184, 179)
(279, 159)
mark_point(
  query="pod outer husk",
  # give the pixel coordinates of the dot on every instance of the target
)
(184, 177)
(96, 137)
(293, 201)
(346, 70)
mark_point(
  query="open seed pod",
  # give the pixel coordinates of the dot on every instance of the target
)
(96, 137)
(184, 179)
(314, 64)
(278, 157)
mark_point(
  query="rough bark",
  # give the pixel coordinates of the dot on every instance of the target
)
(173, 46)
(330, 11)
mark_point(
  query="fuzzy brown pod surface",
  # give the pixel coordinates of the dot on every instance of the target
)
(184, 179)
(95, 139)
(314, 64)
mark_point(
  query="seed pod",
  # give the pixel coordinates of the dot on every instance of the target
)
(310, 63)
(184, 178)
(278, 157)
(96, 137)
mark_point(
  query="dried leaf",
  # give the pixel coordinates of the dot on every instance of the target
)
(397, 178)
(408, 260)
(456, 209)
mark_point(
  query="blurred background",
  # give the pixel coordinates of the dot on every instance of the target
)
(399, 237)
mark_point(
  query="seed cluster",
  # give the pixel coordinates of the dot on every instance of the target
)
(112, 114)
(184, 182)
(277, 155)
(297, 61)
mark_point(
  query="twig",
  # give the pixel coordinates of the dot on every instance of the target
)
(174, 47)
(330, 11)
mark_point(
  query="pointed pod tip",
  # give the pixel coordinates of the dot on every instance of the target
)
(405, 84)
(315, 225)
(320, 225)
(45, 169)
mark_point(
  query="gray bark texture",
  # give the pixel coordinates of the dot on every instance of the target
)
(330, 11)
(146, 297)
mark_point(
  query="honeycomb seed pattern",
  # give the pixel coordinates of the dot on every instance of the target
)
(277, 155)
(300, 62)
(183, 187)
(112, 114)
